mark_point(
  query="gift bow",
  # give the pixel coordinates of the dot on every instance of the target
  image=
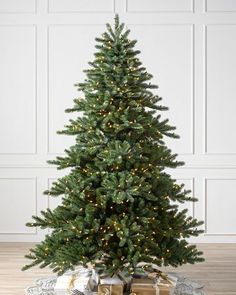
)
(109, 282)
(157, 274)
(106, 291)
(74, 275)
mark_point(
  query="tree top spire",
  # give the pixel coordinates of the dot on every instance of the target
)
(117, 20)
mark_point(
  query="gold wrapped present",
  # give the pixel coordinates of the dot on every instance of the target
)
(152, 286)
(110, 286)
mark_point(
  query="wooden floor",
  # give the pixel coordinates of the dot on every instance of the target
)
(217, 273)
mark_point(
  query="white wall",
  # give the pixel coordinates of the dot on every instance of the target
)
(189, 46)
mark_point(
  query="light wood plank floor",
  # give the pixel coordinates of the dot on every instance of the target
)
(217, 273)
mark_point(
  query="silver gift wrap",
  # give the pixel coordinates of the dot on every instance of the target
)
(81, 279)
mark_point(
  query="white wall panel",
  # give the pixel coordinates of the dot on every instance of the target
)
(220, 88)
(70, 50)
(18, 203)
(20, 6)
(167, 52)
(159, 5)
(17, 91)
(220, 202)
(81, 6)
(220, 5)
(189, 47)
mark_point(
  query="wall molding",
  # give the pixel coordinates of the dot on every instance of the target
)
(159, 11)
(200, 165)
(205, 96)
(34, 179)
(35, 90)
(206, 233)
(206, 10)
(34, 11)
(81, 12)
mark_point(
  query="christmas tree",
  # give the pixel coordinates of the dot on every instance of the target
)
(119, 205)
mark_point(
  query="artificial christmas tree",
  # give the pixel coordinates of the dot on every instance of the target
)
(119, 205)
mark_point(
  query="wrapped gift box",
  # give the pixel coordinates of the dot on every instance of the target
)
(110, 286)
(46, 286)
(81, 279)
(152, 286)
